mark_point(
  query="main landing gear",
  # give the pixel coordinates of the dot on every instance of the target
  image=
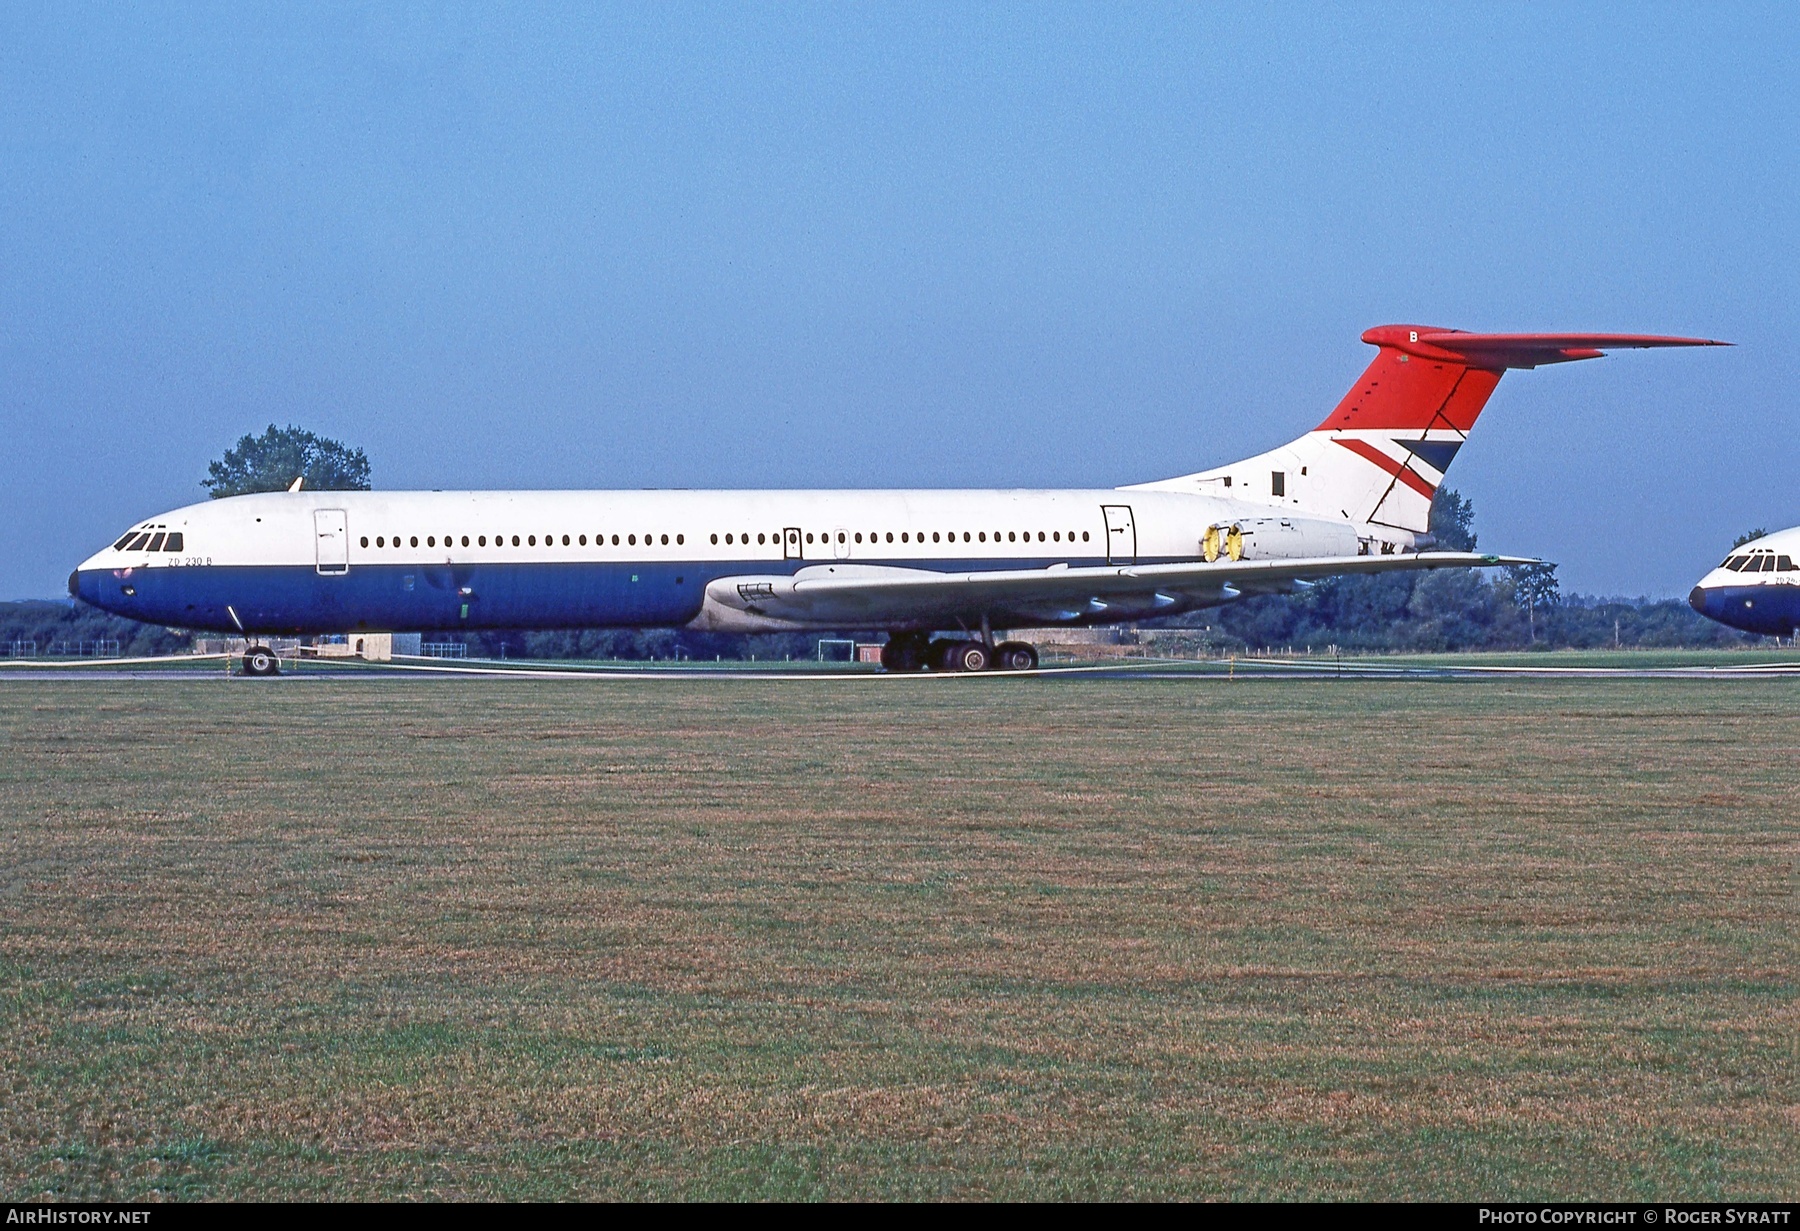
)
(916, 651)
(261, 660)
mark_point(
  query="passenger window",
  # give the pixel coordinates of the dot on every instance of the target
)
(365, 540)
(531, 540)
(565, 540)
(859, 536)
(465, 540)
(515, 540)
(680, 539)
(715, 539)
(1040, 536)
(482, 541)
(1084, 536)
(665, 540)
(934, 536)
(890, 535)
(174, 543)
(759, 540)
(415, 540)
(615, 540)
(809, 536)
(156, 543)
(431, 540)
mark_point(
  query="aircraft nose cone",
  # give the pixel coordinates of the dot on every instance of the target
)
(1697, 599)
(75, 584)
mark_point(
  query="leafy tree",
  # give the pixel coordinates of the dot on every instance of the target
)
(271, 462)
(1536, 586)
(1749, 536)
(1452, 520)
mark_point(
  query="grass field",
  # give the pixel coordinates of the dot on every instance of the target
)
(702, 938)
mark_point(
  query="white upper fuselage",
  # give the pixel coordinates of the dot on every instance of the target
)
(914, 526)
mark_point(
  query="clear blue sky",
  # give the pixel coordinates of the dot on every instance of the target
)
(695, 246)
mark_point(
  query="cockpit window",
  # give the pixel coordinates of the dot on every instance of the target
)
(1785, 564)
(156, 542)
(137, 544)
(129, 535)
(174, 543)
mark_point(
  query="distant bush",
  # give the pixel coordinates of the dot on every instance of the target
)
(48, 622)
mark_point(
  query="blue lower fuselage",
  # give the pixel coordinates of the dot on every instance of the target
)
(295, 599)
(1772, 610)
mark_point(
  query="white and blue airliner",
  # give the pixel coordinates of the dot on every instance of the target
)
(1756, 588)
(1351, 496)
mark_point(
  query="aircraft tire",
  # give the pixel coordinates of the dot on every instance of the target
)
(1016, 656)
(971, 656)
(260, 660)
(904, 652)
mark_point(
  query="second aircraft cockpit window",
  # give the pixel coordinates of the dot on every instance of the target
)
(1759, 562)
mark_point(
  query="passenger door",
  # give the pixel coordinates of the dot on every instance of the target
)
(331, 541)
(1121, 534)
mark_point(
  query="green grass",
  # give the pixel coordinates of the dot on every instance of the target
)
(750, 938)
(1629, 659)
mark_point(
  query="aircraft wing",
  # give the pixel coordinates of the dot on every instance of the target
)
(874, 596)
